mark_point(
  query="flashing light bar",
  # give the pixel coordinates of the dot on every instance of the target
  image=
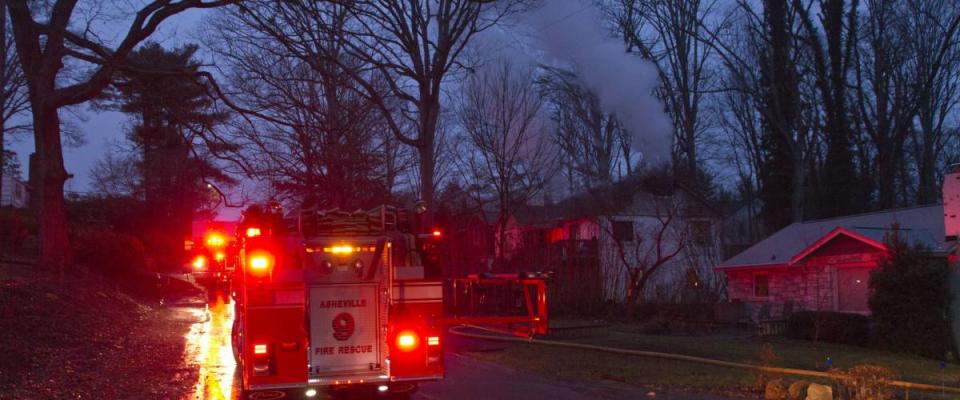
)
(215, 240)
(253, 232)
(345, 249)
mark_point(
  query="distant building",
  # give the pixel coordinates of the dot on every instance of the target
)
(14, 193)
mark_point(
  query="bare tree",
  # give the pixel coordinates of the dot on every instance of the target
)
(46, 43)
(13, 94)
(650, 246)
(312, 132)
(884, 94)
(593, 143)
(670, 35)
(511, 154)
(932, 29)
(832, 52)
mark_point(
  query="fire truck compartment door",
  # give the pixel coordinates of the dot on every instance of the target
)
(346, 328)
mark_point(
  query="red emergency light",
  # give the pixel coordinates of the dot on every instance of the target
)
(199, 262)
(215, 240)
(253, 232)
(408, 340)
(437, 233)
(260, 262)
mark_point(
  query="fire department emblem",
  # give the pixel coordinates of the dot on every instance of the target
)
(343, 326)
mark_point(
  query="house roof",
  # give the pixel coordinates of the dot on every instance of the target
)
(921, 225)
(631, 196)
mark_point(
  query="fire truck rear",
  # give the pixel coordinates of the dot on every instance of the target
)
(332, 300)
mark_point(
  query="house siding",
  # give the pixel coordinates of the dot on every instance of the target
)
(811, 284)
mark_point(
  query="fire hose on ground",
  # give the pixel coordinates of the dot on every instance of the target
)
(456, 330)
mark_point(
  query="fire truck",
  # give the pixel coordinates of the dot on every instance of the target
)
(327, 300)
(333, 300)
(212, 253)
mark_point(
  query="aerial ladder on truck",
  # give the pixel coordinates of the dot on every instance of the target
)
(328, 300)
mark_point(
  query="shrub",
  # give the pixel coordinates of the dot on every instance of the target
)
(17, 228)
(828, 326)
(910, 300)
(115, 255)
(865, 382)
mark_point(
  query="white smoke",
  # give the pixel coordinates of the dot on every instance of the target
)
(572, 31)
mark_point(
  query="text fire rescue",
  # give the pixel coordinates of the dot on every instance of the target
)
(350, 349)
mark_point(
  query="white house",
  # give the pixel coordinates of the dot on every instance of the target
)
(594, 242)
(14, 193)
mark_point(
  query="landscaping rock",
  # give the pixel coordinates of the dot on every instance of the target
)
(819, 392)
(775, 391)
(798, 390)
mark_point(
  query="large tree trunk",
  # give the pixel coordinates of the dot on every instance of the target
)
(55, 252)
(427, 149)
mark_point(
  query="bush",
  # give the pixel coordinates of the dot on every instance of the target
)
(115, 255)
(17, 232)
(833, 327)
(865, 382)
(910, 300)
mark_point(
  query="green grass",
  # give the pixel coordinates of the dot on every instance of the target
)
(660, 373)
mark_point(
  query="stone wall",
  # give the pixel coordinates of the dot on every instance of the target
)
(806, 287)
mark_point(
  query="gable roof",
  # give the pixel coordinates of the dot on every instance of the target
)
(922, 225)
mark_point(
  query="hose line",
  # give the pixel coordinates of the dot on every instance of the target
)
(457, 330)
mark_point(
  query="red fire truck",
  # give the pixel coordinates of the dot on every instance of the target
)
(331, 300)
(211, 252)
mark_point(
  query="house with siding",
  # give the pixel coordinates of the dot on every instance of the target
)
(825, 265)
(588, 240)
(15, 193)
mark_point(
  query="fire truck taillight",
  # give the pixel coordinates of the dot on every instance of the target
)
(253, 232)
(407, 340)
(261, 262)
(261, 359)
(199, 262)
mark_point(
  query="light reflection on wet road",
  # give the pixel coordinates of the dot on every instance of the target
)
(209, 350)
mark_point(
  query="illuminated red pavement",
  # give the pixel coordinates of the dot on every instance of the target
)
(208, 349)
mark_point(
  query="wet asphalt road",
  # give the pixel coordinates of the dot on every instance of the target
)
(208, 350)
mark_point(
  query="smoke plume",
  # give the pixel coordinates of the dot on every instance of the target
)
(572, 31)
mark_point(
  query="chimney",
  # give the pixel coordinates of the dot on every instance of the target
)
(951, 203)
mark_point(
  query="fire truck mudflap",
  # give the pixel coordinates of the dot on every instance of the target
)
(347, 327)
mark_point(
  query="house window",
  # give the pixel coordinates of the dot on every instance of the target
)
(622, 231)
(761, 285)
(700, 233)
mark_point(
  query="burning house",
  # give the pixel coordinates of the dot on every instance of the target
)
(595, 241)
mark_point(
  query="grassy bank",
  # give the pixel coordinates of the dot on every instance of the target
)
(83, 339)
(678, 375)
